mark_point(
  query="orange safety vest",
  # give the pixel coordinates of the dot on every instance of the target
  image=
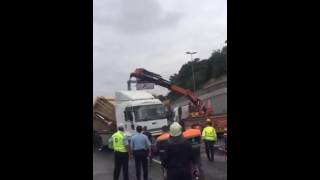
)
(189, 133)
(164, 136)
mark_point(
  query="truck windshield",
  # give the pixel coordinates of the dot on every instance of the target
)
(149, 112)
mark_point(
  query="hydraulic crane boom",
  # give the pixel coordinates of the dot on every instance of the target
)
(147, 76)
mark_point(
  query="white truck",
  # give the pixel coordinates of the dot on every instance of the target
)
(132, 109)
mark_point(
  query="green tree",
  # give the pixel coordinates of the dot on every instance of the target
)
(213, 67)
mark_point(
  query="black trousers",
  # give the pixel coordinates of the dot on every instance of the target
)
(141, 159)
(150, 157)
(209, 149)
(121, 159)
(196, 154)
(179, 174)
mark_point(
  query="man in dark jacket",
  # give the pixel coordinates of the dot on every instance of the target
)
(149, 135)
(178, 158)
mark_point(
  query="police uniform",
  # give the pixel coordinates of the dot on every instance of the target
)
(140, 145)
(121, 158)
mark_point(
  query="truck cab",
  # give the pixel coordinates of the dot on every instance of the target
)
(139, 108)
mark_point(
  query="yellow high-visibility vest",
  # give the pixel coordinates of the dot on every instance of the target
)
(209, 133)
(118, 141)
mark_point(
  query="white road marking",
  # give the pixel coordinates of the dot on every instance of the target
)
(156, 161)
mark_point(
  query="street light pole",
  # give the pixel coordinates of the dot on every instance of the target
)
(194, 84)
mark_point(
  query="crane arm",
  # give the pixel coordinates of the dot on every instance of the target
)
(147, 76)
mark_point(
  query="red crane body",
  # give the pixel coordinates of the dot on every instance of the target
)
(147, 76)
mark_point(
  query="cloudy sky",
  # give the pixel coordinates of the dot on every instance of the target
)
(152, 34)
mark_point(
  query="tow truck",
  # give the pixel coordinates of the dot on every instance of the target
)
(200, 112)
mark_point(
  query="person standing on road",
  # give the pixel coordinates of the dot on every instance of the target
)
(149, 135)
(121, 151)
(161, 143)
(209, 137)
(178, 158)
(141, 149)
(193, 135)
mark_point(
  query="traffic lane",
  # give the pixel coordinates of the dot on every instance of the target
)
(103, 164)
(216, 170)
(103, 167)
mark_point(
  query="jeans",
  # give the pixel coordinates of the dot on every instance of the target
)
(209, 149)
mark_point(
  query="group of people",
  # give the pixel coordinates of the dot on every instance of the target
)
(179, 151)
(139, 147)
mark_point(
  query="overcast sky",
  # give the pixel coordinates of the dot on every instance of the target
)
(152, 34)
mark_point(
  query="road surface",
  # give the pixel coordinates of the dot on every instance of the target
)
(103, 167)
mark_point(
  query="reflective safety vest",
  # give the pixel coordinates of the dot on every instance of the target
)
(164, 136)
(193, 136)
(189, 133)
(118, 141)
(209, 133)
(161, 144)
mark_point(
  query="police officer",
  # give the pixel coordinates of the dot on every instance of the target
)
(141, 147)
(121, 149)
(209, 137)
(178, 158)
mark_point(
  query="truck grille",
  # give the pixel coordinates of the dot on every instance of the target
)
(155, 131)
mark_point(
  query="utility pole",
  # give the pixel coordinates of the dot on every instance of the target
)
(194, 82)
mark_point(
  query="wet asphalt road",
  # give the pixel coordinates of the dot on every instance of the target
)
(103, 167)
